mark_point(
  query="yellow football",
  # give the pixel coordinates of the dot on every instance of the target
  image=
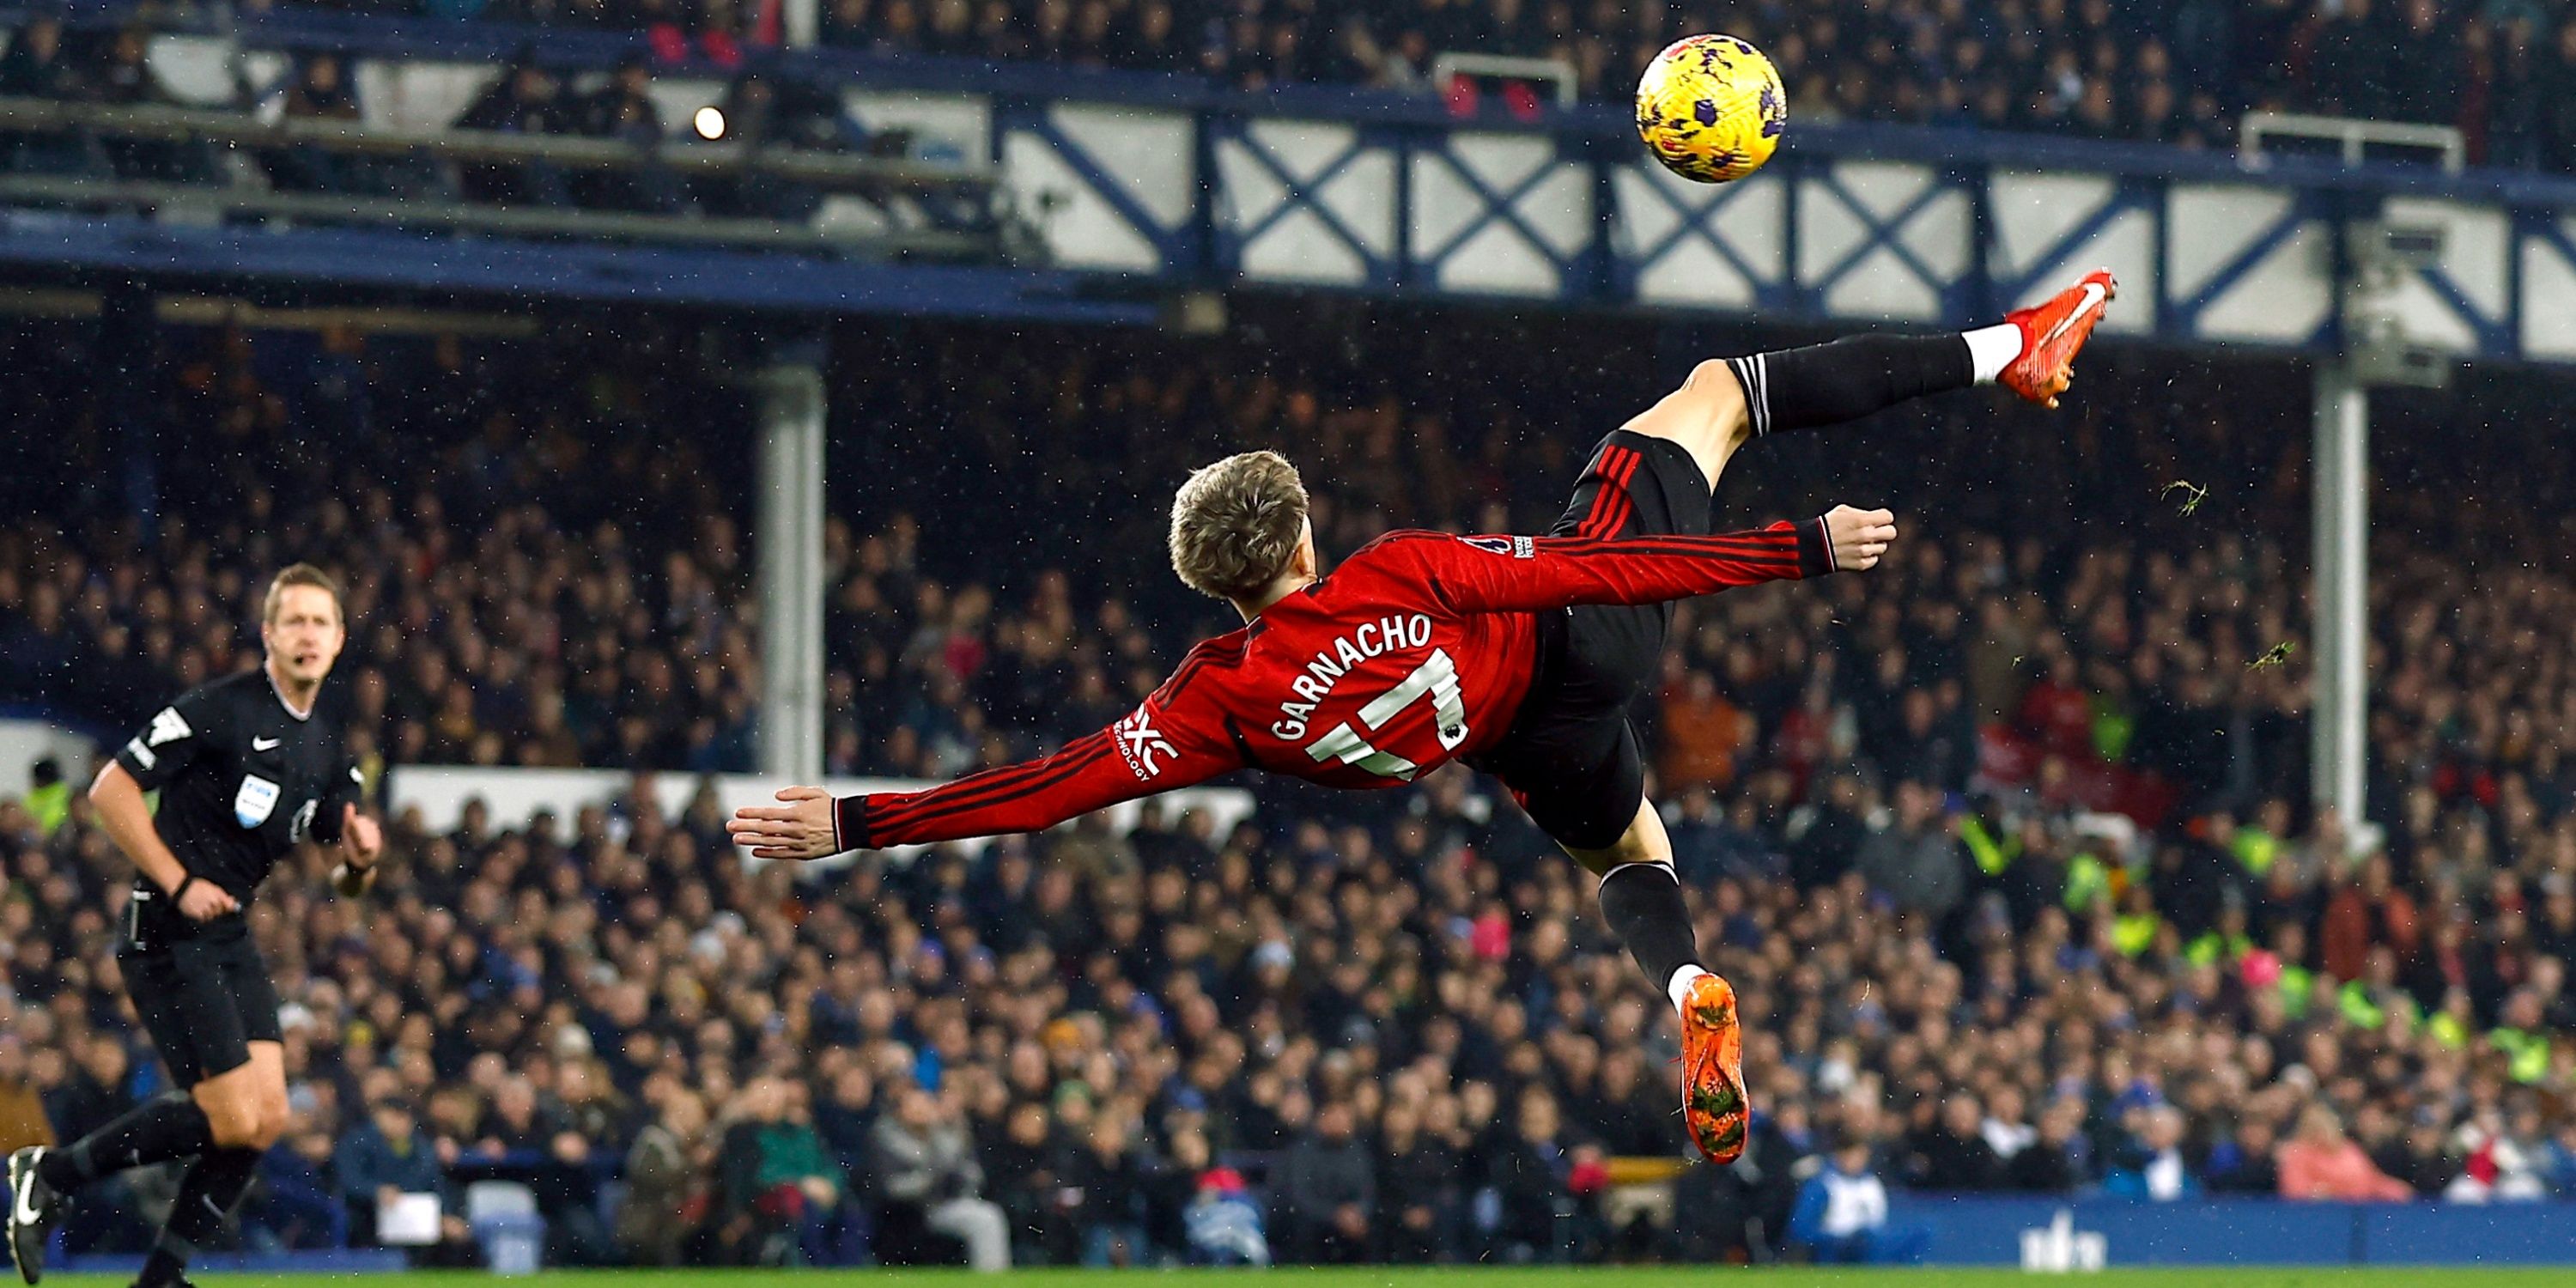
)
(1711, 108)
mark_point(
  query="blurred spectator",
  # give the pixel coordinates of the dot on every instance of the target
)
(2152, 1167)
(387, 1156)
(1224, 1224)
(1325, 1191)
(523, 99)
(623, 110)
(1841, 1215)
(667, 1183)
(298, 1202)
(1917, 862)
(22, 1109)
(1953, 1153)
(921, 1160)
(781, 1193)
(2323, 1163)
(1108, 1185)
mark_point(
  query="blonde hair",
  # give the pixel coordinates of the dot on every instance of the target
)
(303, 574)
(1236, 524)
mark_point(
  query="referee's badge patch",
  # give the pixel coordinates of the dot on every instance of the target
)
(253, 803)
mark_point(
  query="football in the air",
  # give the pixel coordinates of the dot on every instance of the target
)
(1711, 108)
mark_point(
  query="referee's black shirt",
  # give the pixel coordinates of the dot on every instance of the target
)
(243, 779)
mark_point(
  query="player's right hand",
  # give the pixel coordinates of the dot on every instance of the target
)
(800, 829)
(1860, 537)
(203, 900)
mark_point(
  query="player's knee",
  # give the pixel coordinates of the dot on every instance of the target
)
(1715, 377)
(234, 1121)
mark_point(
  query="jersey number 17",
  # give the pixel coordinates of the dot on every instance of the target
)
(1437, 678)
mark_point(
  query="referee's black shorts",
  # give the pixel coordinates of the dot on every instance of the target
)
(204, 1000)
(1572, 758)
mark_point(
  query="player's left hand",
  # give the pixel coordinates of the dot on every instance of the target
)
(1860, 537)
(800, 829)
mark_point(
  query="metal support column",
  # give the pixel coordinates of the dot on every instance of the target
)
(790, 546)
(2340, 702)
(802, 21)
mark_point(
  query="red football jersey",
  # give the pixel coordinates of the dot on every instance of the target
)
(1416, 651)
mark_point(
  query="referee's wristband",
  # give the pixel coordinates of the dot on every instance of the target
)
(182, 888)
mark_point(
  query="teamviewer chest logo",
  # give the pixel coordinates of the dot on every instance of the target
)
(1141, 745)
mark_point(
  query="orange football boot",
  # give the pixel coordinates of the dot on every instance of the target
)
(1713, 1105)
(2053, 333)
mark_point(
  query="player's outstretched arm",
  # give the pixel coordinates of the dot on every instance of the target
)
(1530, 574)
(1150, 751)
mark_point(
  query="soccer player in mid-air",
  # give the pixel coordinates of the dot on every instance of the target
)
(249, 767)
(1518, 655)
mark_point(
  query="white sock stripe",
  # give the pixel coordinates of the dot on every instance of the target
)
(1762, 377)
(1665, 868)
(1757, 399)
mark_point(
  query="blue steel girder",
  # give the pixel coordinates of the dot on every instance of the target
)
(2304, 208)
(2494, 334)
(1501, 207)
(1887, 234)
(1698, 223)
(2127, 195)
(1179, 245)
(1306, 195)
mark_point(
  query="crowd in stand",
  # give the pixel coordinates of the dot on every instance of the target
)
(47, 60)
(2176, 71)
(1389, 1026)
(552, 578)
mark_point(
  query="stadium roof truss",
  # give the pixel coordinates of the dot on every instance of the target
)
(1123, 187)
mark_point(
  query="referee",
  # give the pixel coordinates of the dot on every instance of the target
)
(248, 767)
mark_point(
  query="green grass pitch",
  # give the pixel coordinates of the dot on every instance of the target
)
(1406, 1277)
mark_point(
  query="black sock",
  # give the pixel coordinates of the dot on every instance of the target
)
(1643, 903)
(167, 1127)
(1827, 384)
(213, 1185)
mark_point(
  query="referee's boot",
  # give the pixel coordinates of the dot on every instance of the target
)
(33, 1208)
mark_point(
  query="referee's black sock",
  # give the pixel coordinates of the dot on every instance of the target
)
(168, 1126)
(1827, 384)
(212, 1187)
(1643, 903)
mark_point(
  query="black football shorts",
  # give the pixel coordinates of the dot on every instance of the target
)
(204, 1000)
(1571, 757)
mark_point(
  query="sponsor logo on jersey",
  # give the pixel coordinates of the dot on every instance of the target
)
(265, 744)
(1141, 745)
(256, 800)
(1516, 547)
